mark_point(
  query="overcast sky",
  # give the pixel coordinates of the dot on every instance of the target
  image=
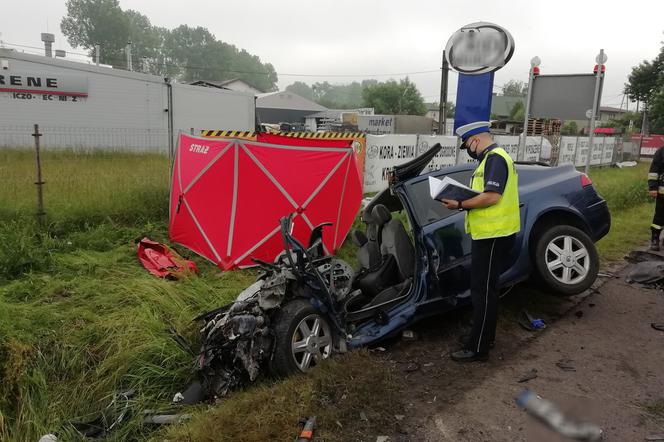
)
(345, 40)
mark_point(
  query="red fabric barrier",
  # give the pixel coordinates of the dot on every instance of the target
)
(227, 195)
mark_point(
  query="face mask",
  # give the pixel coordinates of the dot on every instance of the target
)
(472, 154)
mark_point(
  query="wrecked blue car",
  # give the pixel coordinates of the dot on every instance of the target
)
(414, 262)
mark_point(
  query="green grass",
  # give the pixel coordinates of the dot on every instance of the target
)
(630, 229)
(622, 188)
(85, 188)
(80, 319)
(626, 193)
(336, 393)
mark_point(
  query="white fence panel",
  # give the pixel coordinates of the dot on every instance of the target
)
(383, 153)
(609, 150)
(447, 155)
(597, 151)
(567, 150)
(510, 144)
(581, 151)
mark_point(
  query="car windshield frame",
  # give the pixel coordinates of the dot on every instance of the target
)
(425, 209)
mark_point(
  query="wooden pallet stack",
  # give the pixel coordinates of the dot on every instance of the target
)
(541, 126)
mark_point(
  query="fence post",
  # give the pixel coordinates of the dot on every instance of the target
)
(576, 150)
(39, 182)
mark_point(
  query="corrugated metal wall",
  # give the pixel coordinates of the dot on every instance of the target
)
(123, 110)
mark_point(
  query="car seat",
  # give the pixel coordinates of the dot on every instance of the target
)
(395, 242)
(368, 253)
(377, 271)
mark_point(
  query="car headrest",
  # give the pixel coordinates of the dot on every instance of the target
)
(359, 238)
(366, 216)
(381, 215)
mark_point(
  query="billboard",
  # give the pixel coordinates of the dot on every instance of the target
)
(383, 152)
(376, 124)
(447, 155)
(31, 83)
(649, 144)
(567, 97)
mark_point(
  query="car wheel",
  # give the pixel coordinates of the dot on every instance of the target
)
(303, 338)
(566, 260)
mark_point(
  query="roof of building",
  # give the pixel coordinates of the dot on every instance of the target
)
(77, 65)
(502, 105)
(432, 106)
(287, 100)
(612, 110)
(222, 84)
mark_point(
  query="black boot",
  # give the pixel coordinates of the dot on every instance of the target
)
(654, 241)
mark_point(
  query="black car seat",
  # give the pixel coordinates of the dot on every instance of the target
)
(368, 253)
(395, 242)
(393, 278)
(378, 271)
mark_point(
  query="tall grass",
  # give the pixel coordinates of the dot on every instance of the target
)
(626, 193)
(80, 319)
(622, 188)
(85, 188)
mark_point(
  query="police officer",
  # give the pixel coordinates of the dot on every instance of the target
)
(656, 190)
(492, 220)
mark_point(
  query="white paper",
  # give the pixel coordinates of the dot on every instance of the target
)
(436, 186)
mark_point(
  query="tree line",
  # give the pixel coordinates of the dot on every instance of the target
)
(645, 85)
(186, 53)
(193, 53)
(390, 97)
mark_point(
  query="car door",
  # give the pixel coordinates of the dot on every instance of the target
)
(444, 237)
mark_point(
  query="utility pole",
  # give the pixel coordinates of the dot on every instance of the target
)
(442, 110)
(128, 51)
(644, 124)
(600, 59)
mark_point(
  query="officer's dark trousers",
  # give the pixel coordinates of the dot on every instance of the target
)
(658, 219)
(489, 259)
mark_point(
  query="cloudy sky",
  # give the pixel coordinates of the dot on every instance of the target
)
(345, 40)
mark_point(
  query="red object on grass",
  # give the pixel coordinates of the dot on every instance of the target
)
(228, 195)
(162, 261)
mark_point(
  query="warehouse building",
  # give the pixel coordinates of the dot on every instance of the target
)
(82, 105)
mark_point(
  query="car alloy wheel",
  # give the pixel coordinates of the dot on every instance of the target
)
(567, 259)
(311, 342)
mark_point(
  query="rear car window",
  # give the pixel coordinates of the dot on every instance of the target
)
(428, 210)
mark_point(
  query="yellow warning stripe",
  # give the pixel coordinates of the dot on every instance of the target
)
(229, 134)
(324, 135)
(308, 135)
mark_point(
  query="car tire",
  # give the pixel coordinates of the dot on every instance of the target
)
(566, 260)
(303, 338)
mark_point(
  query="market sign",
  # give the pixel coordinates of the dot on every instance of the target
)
(376, 124)
(26, 85)
(479, 48)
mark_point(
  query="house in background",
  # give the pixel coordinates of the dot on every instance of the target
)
(502, 106)
(606, 114)
(285, 107)
(234, 84)
(433, 112)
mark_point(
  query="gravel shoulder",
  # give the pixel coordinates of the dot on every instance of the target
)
(599, 360)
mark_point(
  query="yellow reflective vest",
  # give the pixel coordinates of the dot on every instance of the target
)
(503, 218)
